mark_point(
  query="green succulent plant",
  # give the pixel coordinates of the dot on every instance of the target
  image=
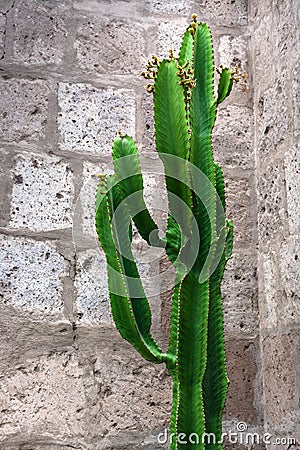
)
(198, 240)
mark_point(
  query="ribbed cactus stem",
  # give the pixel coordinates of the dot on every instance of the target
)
(198, 240)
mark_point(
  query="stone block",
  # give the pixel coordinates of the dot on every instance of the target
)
(241, 357)
(233, 53)
(182, 7)
(169, 36)
(89, 118)
(110, 46)
(270, 203)
(31, 275)
(2, 34)
(285, 28)
(6, 6)
(227, 12)
(147, 131)
(24, 338)
(84, 215)
(290, 274)
(240, 296)
(92, 291)
(23, 109)
(279, 378)
(274, 117)
(126, 393)
(233, 137)
(45, 397)
(40, 34)
(42, 194)
(239, 204)
(6, 167)
(268, 307)
(292, 178)
(264, 53)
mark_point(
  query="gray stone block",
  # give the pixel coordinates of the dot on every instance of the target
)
(240, 296)
(241, 356)
(31, 275)
(264, 54)
(40, 34)
(111, 46)
(169, 36)
(239, 208)
(226, 12)
(23, 109)
(92, 299)
(126, 393)
(268, 308)
(2, 34)
(42, 194)
(233, 52)
(292, 178)
(147, 125)
(274, 118)
(44, 398)
(182, 7)
(24, 338)
(233, 137)
(84, 216)
(89, 118)
(279, 378)
(290, 273)
(270, 203)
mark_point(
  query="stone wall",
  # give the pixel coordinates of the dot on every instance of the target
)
(69, 80)
(275, 49)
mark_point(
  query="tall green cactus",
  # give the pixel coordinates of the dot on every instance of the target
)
(198, 241)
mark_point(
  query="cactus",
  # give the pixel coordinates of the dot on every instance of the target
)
(198, 240)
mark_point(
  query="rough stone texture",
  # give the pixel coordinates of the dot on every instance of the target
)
(110, 46)
(51, 181)
(84, 218)
(148, 138)
(177, 7)
(6, 167)
(31, 276)
(227, 12)
(24, 338)
(290, 275)
(91, 284)
(23, 109)
(292, 177)
(40, 35)
(2, 34)
(279, 370)
(274, 119)
(270, 203)
(169, 37)
(232, 137)
(240, 294)
(241, 369)
(118, 377)
(52, 381)
(239, 196)
(269, 308)
(89, 118)
(275, 37)
(233, 53)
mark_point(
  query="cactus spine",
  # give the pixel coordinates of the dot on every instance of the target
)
(184, 113)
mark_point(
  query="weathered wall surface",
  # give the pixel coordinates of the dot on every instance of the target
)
(70, 79)
(275, 47)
